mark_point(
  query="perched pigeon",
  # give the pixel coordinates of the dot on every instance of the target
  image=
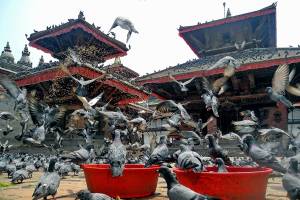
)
(87, 195)
(280, 82)
(259, 155)
(48, 183)
(221, 165)
(216, 151)
(188, 159)
(291, 180)
(182, 85)
(176, 191)
(124, 24)
(117, 155)
(159, 154)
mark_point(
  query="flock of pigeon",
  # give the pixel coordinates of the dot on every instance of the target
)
(128, 141)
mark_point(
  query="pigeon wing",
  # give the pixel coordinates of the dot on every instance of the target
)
(87, 82)
(206, 85)
(280, 79)
(36, 110)
(172, 77)
(217, 84)
(96, 99)
(292, 74)
(189, 81)
(10, 86)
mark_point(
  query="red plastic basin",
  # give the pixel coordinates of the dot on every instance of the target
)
(136, 181)
(240, 183)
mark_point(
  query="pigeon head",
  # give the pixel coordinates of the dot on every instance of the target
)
(219, 161)
(89, 147)
(293, 164)
(83, 195)
(163, 140)
(52, 165)
(211, 140)
(269, 90)
(168, 176)
(183, 147)
(248, 139)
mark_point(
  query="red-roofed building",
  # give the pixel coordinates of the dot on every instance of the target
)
(259, 58)
(56, 87)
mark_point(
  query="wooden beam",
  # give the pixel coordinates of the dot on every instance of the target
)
(96, 90)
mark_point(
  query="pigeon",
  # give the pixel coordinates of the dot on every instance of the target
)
(81, 89)
(48, 183)
(291, 180)
(20, 175)
(240, 46)
(117, 155)
(7, 116)
(260, 156)
(124, 24)
(268, 133)
(78, 156)
(216, 151)
(176, 191)
(88, 105)
(182, 85)
(19, 95)
(249, 115)
(87, 195)
(209, 98)
(159, 154)
(280, 82)
(221, 165)
(189, 159)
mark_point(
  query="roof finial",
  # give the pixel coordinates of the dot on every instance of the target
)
(7, 47)
(224, 6)
(81, 15)
(117, 61)
(25, 60)
(228, 14)
(41, 62)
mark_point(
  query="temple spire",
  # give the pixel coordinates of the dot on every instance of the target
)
(42, 61)
(7, 55)
(228, 14)
(25, 60)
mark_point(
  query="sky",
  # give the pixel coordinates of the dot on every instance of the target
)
(157, 45)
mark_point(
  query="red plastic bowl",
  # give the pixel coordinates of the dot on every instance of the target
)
(240, 183)
(136, 181)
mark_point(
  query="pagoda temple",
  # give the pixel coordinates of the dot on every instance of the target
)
(56, 87)
(249, 38)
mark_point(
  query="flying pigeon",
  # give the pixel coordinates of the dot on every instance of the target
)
(280, 82)
(124, 24)
(182, 85)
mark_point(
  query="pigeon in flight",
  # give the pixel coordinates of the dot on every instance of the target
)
(182, 85)
(124, 24)
(280, 82)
